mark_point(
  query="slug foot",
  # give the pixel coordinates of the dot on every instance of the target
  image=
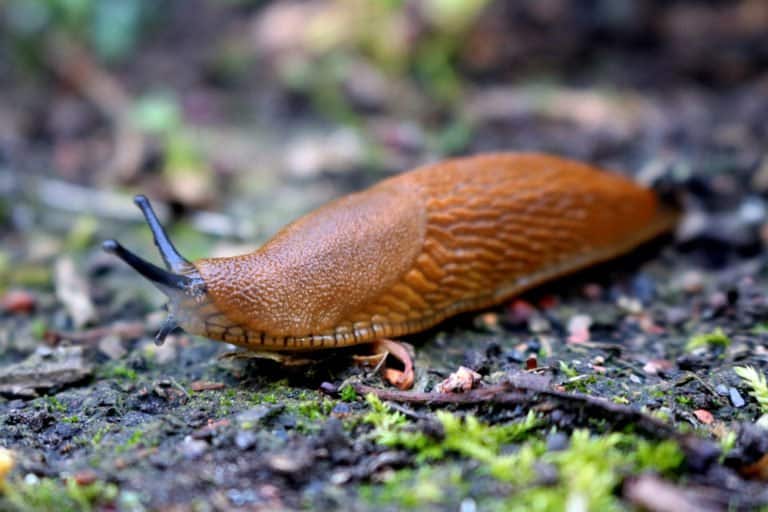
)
(283, 359)
(402, 379)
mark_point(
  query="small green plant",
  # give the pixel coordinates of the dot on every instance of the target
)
(716, 338)
(589, 469)
(466, 436)
(568, 370)
(55, 405)
(348, 394)
(412, 489)
(727, 443)
(757, 382)
(33, 494)
(135, 438)
(99, 435)
(118, 371)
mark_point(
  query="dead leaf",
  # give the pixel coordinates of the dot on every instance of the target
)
(704, 416)
(459, 381)
(72, 291)
(43, 370)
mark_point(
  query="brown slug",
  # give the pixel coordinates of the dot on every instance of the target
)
(405, 254)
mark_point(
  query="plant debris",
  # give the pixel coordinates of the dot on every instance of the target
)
(44, 370)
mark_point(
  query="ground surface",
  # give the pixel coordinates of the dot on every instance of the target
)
(101, 418)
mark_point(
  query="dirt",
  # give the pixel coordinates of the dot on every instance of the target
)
(91, 400)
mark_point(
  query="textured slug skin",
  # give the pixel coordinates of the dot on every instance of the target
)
(412, 250)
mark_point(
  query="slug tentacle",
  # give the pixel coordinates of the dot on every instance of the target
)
(158, 276)
(182, 283)
(174, 261)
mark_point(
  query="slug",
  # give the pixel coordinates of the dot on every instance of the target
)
(405, 254)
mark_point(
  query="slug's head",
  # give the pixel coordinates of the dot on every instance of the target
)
(181, 282)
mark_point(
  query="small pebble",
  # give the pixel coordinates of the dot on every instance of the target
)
(112, 347)
(722, 390)
(655, 366)
(692, 281)
(488, 321)
(245, 439)
(538, 324)
(578, 328)
(630, 305)
(240, 498)
(257, 414)
(341, 410)
(736, 398)
(468, 505)
(643, 288)
(557, 441)
(193, 448)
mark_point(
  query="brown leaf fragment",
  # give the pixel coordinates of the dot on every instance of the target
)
(459, 381)
(204, 385)
(704, 416)
(43, 370)
(656, 366)
(18, 301)
(650, 492)
(72, 290)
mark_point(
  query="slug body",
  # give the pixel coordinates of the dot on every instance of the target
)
(413, 250)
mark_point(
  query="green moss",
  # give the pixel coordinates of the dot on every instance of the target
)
(684, 400)
(54, 405)
(225, 404)
(32, 494)
(82, 233)
(580, 383)
(727, 443)
(135, 438)
(117, 371)
(589, 470)
(757, 383)
(71, 419)
(567, 370)
(99, 435)
(314, 410)
(348, 393)
(466, 436)
(416, 489)
(38, 328)
(716, 338)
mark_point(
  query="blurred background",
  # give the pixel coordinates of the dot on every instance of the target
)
(236, 116)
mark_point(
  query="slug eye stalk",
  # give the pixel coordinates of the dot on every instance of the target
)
(174, 261)
(172, 282)
(158, 276)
